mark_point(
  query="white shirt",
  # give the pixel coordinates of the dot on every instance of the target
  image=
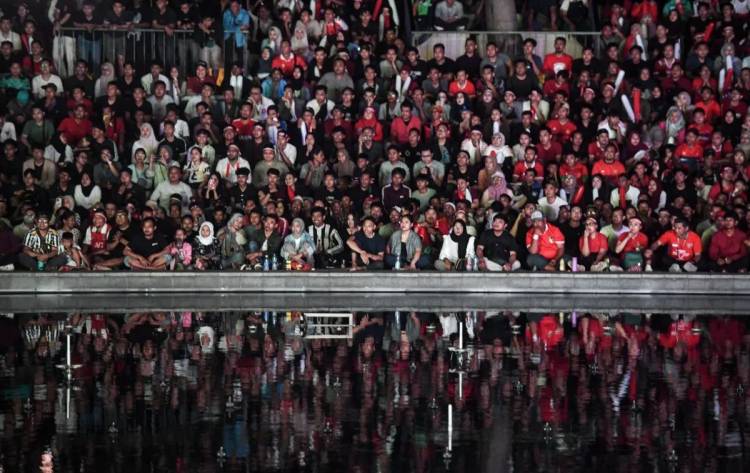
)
(551, 209)
(291, 153)
(631, 196)
(8, 132)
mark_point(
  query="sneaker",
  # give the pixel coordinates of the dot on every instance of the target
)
(675, 268)
(244, 267)
(648, 268)
(599, 267)
(257, 267)
(690, 267)
(615, 268)
(7, 267)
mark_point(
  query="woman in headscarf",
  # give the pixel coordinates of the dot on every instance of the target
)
(147, 141)
(458, 246)
(206, 248)
(299, 43)
(298, 247)
(674, 126)
(87, 194)
(233, 244)
(498, 186)
(107, 76)
(484, 178)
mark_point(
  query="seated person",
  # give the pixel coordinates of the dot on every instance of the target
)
(368, 248)
(41, 247)
(298, 248)
(148, 250)
(458, 248)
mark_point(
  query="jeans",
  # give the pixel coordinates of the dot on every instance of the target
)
(422, 263)
(90, 51)
(31, 263)
(536, 262)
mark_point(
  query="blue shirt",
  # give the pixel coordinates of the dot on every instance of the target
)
(233, 25)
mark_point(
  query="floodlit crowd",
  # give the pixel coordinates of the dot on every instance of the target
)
(173, 391)
(295, 135)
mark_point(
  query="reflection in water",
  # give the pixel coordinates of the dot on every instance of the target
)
(209, 392)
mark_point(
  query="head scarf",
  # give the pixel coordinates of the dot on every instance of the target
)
(462, 240)
(496, 190)
(149, 144)
(104, 80)
(209, 240)
(674, 128)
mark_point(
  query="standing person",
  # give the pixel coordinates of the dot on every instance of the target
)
(41, 247)
(368, 248)
(236, 22)
(545, 242)
(497, 250)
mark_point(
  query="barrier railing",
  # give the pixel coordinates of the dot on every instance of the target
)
(508, 42)
(139, 46)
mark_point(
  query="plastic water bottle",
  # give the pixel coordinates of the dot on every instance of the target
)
(398, 263)
(265, 264)
(475, 263)
(40, 265)
(469, 264)
(274, 263)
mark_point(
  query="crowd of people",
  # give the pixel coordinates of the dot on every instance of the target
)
(539, 392)
(312, 135)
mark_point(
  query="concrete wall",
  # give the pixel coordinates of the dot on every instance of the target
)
(585, 284)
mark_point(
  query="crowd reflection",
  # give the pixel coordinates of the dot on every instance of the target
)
(210, 392)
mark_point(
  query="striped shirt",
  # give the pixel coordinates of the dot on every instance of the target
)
(42, 244)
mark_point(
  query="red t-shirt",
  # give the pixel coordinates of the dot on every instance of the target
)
(610, 171)
(549, 155)
(597, 243)
(74, 130)
(549, 241)
(561, 132)
(554, 63)
(579, 170)
(679, 249)
(637, 244)
(686, 151)
(521, 167)
(468, 88)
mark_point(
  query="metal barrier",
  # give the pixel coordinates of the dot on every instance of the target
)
(508, 42)
(139, 46)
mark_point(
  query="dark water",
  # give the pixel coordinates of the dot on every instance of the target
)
(211, 392)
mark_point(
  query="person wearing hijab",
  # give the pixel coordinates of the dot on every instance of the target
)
(298, 247)
(498, 186)
(674, 126)
(233, 244)
(87, 194)
(147, 141)
(108, 75)
(458, 246)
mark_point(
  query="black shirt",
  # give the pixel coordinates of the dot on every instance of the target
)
(572, 236)
(373, 245)
(497, 248)
(147, 247)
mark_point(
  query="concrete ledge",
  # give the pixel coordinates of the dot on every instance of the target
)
(340, 302)
(364, 283)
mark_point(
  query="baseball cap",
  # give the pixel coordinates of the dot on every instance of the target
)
(537, 215)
